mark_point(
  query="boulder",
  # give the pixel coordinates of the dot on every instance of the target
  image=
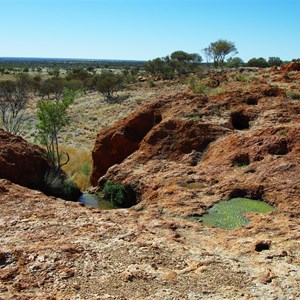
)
(293, 66)
(22, 162)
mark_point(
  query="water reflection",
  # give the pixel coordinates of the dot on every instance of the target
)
(94, 201)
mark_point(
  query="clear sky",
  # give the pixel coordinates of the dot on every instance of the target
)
(145, 29)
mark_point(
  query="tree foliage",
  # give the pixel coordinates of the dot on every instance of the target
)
(108, 84)
(217, 51)
(257, 62)
(234, 62)
(52, 117)
(177, 64)
(274, 61)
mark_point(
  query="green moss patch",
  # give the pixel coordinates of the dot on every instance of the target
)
(230, 214)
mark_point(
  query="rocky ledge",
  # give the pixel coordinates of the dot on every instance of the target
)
(53, 249)
(182, 153)
(21, 162)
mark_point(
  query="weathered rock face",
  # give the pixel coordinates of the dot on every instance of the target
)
(53, 249)
(21, 162)
(242, 143)
(195, 156)
(120, 141)
(293, 66)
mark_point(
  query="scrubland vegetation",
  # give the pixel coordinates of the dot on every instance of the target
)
(62, 104)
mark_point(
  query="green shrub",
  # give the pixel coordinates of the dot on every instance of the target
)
(196, 86)
(295, 95)
(114, 193)
(58, 186)
(216, 91)
(240, 78)
(199, 88)
(151, 83)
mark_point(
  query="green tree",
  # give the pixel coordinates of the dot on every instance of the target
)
(52, 117)
(234, 62)
(217, 51)
(186, 57)
(178, 63)
(52, 88)
(56, 72)
(257, 62)
(108, 84)
(274, 61)
(183, 62)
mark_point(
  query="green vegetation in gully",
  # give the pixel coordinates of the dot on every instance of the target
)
(114, 193)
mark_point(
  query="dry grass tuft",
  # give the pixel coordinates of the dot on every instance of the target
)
(79, 167)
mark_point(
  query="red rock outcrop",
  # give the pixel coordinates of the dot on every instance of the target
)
(21, 162)
(117, 143)
(174, 138)
(54, 249)
(240, 143)
(195, 156)
(293, 66)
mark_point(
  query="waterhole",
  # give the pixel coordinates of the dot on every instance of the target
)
(94, 201)
(230, 214)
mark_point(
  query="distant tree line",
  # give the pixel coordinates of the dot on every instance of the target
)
(176, 64)
(218, 54)
(34, 63)
(106, 83)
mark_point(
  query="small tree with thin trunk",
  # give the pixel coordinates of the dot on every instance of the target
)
(13, 101)
(52, 117)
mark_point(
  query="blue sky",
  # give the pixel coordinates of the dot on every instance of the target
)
(145, 29)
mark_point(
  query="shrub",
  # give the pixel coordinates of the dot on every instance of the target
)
(196, 86)
(234, 62)
(86, 169)
(295, 95)
(240, 78)
(56, 184)
(151, 83)
(108, 84)
(199, 88)
(274, 61)
(114, 193)
(257, 62)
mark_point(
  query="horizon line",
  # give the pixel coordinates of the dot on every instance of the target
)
(70, 58)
